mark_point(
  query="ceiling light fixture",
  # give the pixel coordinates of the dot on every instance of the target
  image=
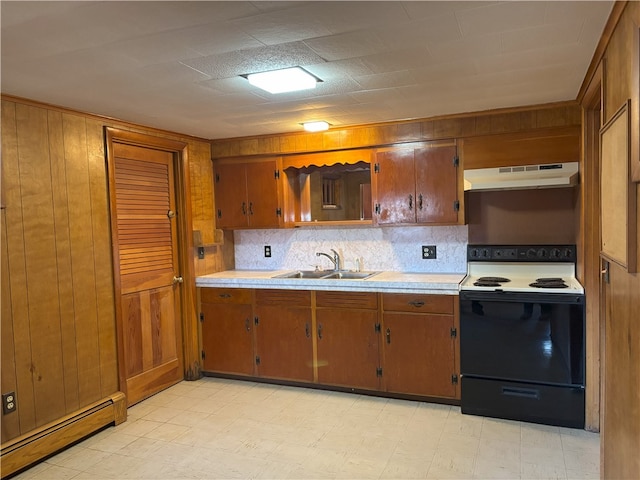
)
(282, 81)
(315, 126)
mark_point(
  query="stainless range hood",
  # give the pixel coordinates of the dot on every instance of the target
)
(522, 177)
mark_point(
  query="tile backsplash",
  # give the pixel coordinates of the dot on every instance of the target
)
(389, 248)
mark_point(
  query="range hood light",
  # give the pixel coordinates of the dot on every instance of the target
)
(283, 81)
(316, 126)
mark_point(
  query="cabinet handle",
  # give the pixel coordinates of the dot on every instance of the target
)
(410, 202)
(320, 331)
(307, 332)
(417, 303)
(224, 295)
(244, 208)
(420, 202)
(247, 324)
(250, 208)
(388, 335)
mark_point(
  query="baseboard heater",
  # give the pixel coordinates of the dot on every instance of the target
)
(38, 444)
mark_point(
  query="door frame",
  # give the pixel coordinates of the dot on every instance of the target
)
(188, 323)
(589, 238)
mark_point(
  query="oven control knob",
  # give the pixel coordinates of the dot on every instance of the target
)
(568, 254)
(486, 253)
(542, 253)
(531, 253)
(473, 253)
(556, 253)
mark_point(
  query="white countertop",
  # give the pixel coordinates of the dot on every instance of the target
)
(391, 282)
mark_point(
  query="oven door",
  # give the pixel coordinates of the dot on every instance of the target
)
(523, 337)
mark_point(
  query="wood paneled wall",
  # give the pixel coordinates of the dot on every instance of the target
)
(58, 318)
(513, 120)
(620, 416)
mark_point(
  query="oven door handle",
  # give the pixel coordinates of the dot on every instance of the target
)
(521, 392)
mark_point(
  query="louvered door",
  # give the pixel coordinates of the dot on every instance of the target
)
(146, 260)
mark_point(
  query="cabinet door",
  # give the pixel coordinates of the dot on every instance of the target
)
(436, 184)
(284, 346)
(348, 352)
(227, 338)
(262, 188)
(395, 187)
(231, 195)
(418, 354)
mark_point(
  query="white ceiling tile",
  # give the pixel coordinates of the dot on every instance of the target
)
(501, 17)
(176, 65)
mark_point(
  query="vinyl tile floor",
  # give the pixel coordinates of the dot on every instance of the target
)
(218, 429)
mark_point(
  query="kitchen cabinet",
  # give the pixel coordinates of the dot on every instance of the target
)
(348, 339)
(417, 184)
(227, 330)
(284, 344)
(388, 342)
(419, 344)
(247, 194)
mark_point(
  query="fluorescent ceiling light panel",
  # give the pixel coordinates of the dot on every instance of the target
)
(281, 81)
(315, 126)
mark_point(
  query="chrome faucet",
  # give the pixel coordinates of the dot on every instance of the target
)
(335, 259)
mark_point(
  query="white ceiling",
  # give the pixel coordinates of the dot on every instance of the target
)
(176, 65)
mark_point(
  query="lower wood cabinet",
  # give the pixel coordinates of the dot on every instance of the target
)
(396, 343)
(419, 346)
(284, 347)
(348, 339)
(227, 330)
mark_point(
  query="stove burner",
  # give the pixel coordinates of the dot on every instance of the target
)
(490, 281)
(549, 283)
(494, 279)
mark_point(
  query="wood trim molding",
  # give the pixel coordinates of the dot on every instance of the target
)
(25, 450)
(605, 38)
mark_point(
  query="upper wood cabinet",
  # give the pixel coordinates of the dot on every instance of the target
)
(533, 147)
(417, 184)
(247, 193)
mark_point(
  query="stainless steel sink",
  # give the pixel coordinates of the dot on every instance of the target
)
(350, 275)
(303, 274)
(326, 275)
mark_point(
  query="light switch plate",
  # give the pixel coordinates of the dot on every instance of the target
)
(267, 251)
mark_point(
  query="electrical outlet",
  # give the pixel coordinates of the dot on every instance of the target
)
(200, 253)
(428, 252)
(267, 251)
(8, 402)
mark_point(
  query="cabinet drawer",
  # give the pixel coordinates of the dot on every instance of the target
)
(365, 300)
(289, 298)
(225, 295)
(407, 302)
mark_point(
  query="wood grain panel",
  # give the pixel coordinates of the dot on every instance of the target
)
(63, 259)
(40, 263)
(621, 428)
(226, 295)
(132, 326)
(348, 350)
(227, 338)
(364, 300)
(419, 354)
(507, 120)
(11, 422)
(298, 298)
(17, 269)
(82, 257)
(524, 148)
(417, 303)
